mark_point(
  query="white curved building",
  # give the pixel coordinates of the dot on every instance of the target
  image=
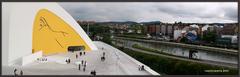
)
(32, 27)
(36, 39)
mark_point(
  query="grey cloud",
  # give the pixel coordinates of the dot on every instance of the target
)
(101, 12)
(169, 12)
(190, 10)
(231, 13)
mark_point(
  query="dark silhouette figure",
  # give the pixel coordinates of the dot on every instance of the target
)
(66, 61)
(76, 56)
(85, 63)
(82, 62)
(80, 53)
(103, 53)
(142, 67)
(103, 58)
(84, 53)
(15, 70)
(79, 66)
(21, 72)
(84, 68)
(93, 73)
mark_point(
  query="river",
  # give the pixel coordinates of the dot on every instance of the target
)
(184, 52)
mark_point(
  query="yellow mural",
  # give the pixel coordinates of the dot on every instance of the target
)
(53, 35)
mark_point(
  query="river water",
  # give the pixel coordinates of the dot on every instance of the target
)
(202, 55)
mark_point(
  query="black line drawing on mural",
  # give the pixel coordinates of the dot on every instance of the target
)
(43, 23)
(59, 43)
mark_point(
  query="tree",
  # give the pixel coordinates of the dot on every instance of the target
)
(209, 37)
(184, 40)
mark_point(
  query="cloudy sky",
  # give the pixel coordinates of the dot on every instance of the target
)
(200, 12)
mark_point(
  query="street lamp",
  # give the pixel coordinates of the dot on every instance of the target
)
(88, 29)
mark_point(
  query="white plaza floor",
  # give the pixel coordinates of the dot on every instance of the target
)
(116, 63)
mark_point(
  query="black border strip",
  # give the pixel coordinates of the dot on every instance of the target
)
(120, 0)
(123, 76)
(238, 39)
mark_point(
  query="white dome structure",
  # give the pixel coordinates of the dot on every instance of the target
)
(32, 27)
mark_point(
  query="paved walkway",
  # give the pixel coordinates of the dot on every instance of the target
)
(116, 63)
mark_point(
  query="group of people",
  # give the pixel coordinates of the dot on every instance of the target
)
(84, 64)
(68, 61)
(141, 67)
(80, 54)
(15, 72)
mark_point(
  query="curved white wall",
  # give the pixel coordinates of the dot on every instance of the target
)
(17, 25)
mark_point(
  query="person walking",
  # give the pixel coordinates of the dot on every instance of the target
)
(139, 67)
(66, 61)
(80, 53)
(84, 53)
(21, 72)
(15, 70)
(76, 56)
(91, 72)
(84, 68)
(103, 54)
(85, 65)
(142, 68)
(79, 66)
(94, 73)
(82, 62)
